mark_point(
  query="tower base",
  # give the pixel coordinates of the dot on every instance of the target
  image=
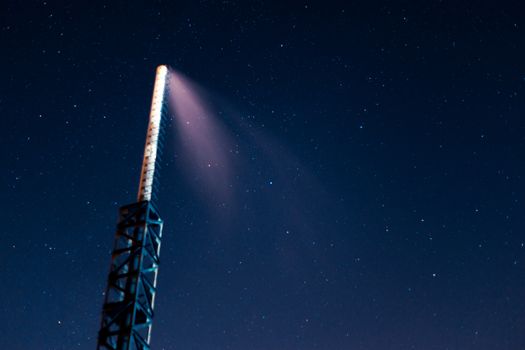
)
(130, 296)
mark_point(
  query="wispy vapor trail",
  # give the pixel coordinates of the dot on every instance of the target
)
(205, 143)
(244, 172)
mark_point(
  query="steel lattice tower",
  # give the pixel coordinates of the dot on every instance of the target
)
(130, 295)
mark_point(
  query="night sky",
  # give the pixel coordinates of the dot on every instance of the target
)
(374, 196)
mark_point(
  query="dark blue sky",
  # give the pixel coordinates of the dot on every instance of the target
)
(378, 189)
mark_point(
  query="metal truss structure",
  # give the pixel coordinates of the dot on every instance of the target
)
(130, 295)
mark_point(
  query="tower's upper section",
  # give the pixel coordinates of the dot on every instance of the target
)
(147, 174)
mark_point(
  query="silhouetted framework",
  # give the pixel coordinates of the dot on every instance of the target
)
(127, 313)
(130, 295)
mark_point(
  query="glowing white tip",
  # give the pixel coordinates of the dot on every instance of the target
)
(152, 137)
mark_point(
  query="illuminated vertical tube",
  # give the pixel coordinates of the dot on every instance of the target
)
(152, 138)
